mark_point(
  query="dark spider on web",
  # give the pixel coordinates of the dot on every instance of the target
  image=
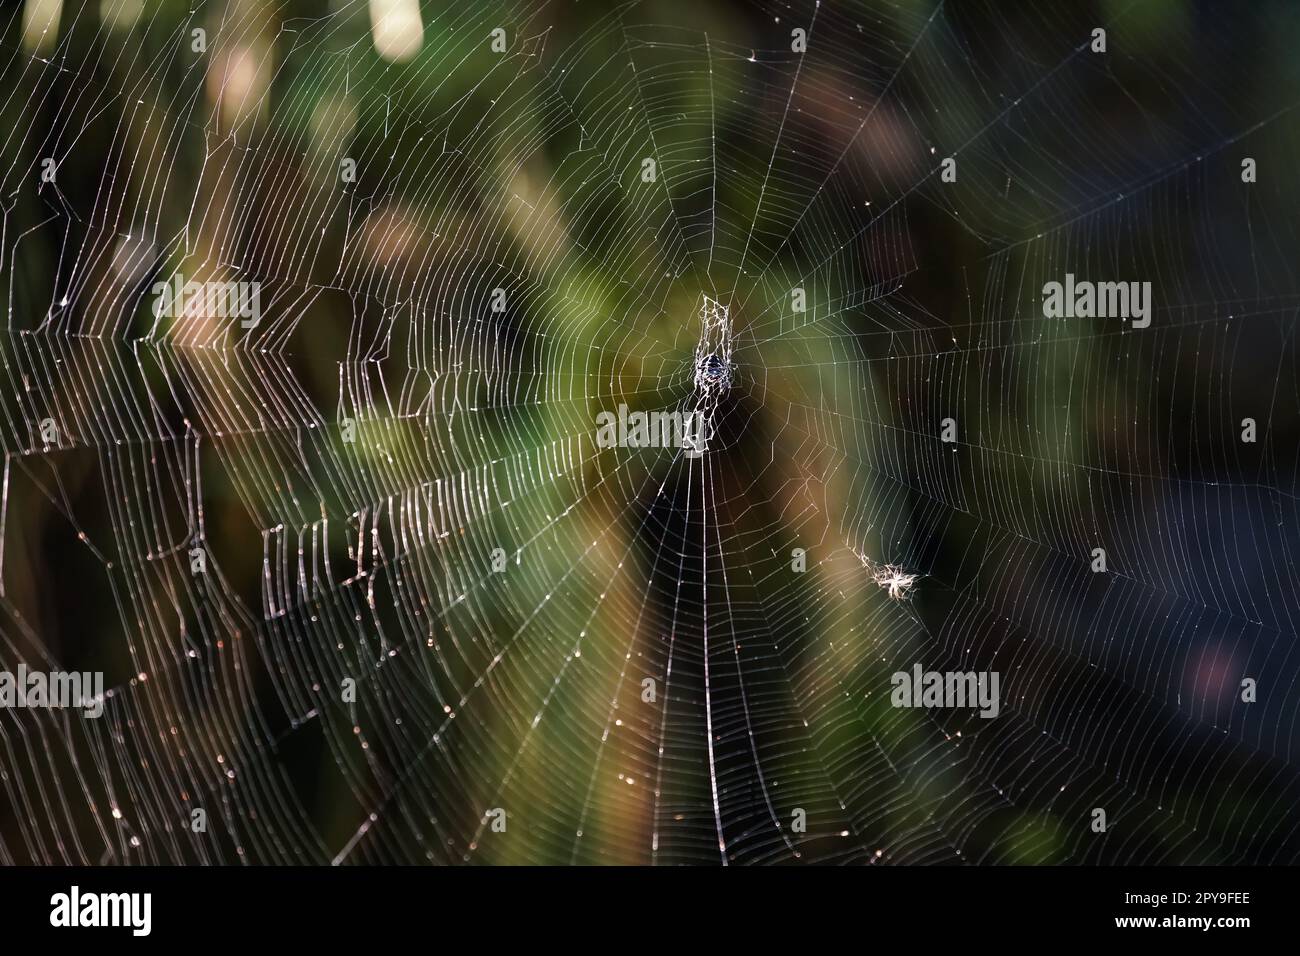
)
(714, 368)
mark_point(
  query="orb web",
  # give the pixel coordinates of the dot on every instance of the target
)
(438, 622)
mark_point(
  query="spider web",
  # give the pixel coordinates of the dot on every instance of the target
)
(394, 482)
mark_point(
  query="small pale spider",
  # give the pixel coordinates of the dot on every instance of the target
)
(897, 581)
